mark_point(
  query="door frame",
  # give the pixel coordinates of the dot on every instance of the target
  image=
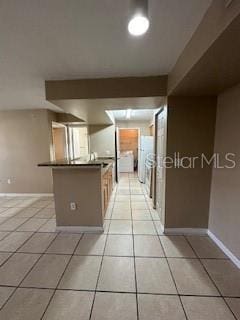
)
(163, 109)
(116, 154)
(56, 125)
(117, 146)
(155, 157)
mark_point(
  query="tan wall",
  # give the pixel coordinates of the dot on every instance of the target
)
(214, 22)
(25, 139)
(102, 139)
(82, 186)
(150, 86)
(224, 220)
(191, 123)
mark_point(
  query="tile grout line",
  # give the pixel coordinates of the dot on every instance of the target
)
(100, 268)
(99, 272)
(215, 285)
(224, 298)
(63, 273)
(95, 291)
(122, 292)
(14, 217)
(27, 218)
(18, 286)
(106, 255)
(134, 259)
(111, 212)
(16, 251)
(15, 230)
(21, 245)
(27, 206)
(178, 294)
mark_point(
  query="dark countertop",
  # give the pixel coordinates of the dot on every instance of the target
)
(100, 162)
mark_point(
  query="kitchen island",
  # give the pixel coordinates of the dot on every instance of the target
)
(82, 190)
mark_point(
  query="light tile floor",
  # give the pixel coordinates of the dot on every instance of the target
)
(130, 272)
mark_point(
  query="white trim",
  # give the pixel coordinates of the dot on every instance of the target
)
(26, 194)
(194, 231)
(199, 231)
(58, 125)
(228, 253)
(161, 225)
(79, 229)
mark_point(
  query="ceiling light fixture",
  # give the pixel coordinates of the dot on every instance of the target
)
(139, 23)
(128, 113)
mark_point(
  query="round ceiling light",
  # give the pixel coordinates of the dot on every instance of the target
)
(138, 25)
(138, 22)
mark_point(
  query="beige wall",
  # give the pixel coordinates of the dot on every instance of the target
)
(102, 139)
(25, 139)
(142, 125)
(82, 186)
(150, 86)
(224, 220)
(190, 131)
(214, 22)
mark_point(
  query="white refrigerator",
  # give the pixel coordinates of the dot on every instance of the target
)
(145, 148)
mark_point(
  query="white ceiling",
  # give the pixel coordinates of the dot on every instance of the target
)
(136, 115)
(93, 111)
(68, 39)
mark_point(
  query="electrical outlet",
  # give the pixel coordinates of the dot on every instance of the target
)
(73, 206)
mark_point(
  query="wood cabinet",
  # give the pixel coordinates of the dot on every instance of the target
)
(107, 186)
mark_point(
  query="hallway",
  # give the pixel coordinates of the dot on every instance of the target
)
(132, 271)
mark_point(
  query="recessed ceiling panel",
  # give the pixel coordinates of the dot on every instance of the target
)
(73, 39)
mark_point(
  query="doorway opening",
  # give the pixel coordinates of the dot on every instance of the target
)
(128, 149)
(78, 142)
(59, 136)
(69, 141)
(134, 143)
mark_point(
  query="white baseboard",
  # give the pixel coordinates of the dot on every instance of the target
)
(26, 194)
(179, 231)
(198, 231)
(80, 229)
(227, 252)
(161, 225)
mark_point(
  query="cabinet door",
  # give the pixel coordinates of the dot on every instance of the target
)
(107, 185)
(110, 182)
